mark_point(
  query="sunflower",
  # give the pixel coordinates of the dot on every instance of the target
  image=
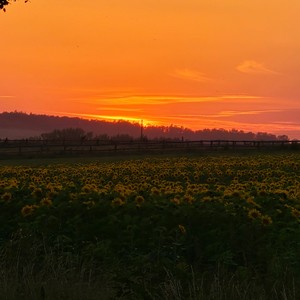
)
(27, 210)
(6, 196)
(37, 192)
(295, 212)
(176, 200)
(266, 220)
(139, 200)
(182, 229)
(188, 198)
(251, 201)
(155, 191)
(254, 214)
(118, 202)
(46, 202)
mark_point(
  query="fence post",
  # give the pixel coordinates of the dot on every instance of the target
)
(258, 144)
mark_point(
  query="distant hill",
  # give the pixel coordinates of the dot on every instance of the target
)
(22, 125)
(18, 125)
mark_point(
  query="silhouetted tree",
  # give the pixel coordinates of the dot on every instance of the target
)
(74, 134)
(122, 138)
(4, 3)
(102, 137)
(283, 137)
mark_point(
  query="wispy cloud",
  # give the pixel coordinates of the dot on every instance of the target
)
(238, 97)
(164, 99)
(113, 108)
(6, 96)
(254, 67)
(230, 113)
(224, 114)
(188, 74)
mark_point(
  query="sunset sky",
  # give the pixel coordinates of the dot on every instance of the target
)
(192, 63)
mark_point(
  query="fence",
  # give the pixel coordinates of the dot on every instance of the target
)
(61, 147)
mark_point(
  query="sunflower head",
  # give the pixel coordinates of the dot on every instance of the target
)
(46, 202)
(139, 200)
(266, 220)
(182, 229)
(6, 196)
(254, 214)
(27, 210)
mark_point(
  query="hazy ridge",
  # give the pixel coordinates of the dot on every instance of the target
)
(18, 125)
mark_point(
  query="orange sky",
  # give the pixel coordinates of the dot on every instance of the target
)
(193, 63)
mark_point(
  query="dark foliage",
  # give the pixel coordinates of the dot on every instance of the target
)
(4, 3)
(22, 123)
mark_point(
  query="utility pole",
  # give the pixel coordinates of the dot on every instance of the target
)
(142, 128)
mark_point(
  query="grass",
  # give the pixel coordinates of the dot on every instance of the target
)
(118, 157)
(61, 275)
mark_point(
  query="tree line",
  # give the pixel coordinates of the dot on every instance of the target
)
(53, 127)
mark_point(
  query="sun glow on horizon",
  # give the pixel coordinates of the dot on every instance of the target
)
(108, 118)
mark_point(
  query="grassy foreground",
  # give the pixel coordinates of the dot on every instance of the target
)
(210, 227)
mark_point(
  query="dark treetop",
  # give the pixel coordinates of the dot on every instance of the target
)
(4, 3)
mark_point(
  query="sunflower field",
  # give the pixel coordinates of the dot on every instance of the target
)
(158, 220)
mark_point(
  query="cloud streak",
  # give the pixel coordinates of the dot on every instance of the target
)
(156, 99)
(230, 113)
(188, 74)
(254, 67)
